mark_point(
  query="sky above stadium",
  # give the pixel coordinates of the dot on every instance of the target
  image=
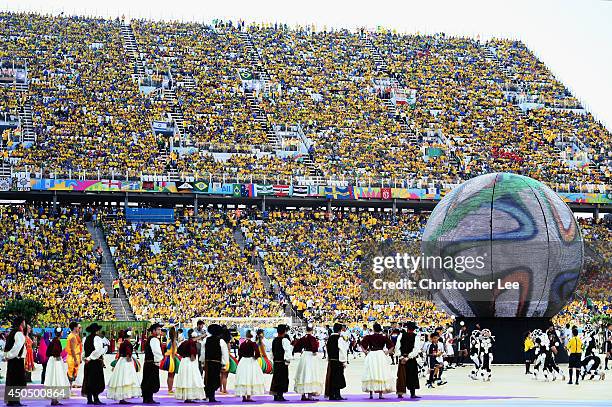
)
(573, 37)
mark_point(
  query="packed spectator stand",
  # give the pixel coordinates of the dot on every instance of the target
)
(259, 101)
(369, 105)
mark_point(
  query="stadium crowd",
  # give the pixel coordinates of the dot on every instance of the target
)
(196, 266)
(89, 113)
(316, 258)
(50, 257)
(185, 270)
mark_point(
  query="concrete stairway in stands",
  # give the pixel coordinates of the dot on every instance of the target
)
(261, 119)
(25, 115)
(131, 46)
(275, 290)
(121, 305)
(257, 64)
(383, 70)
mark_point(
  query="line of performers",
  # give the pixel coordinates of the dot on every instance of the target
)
(192, 383)
(541, 348)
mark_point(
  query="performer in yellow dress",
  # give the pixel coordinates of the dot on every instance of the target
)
(74, 349)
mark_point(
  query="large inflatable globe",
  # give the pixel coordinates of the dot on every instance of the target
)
(502, 245)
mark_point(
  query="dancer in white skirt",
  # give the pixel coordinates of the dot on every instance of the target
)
(56, 375)
(377, 375)
(189, 384)
(309, 379)
(124, 383)
(249, 376)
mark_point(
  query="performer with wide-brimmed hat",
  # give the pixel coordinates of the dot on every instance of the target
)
(281, 356)
(337, 348)
(215, 355)
(93, 376)
(150, 368)
(14, 353)
(408, 348)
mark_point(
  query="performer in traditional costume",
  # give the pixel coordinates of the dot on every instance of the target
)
(249, 376)
(337, 352)
(608, 345)
(227, 337)
(56, 377)
(475, 353)
(14, 354)
(408, 348)
(281, 354)
(93, 376)
(171, 361)
(29, 356)
(264, 361)
(150, 369)
(124, 383)
(215, 355)
(74, 350)
(41, 353)
(189, 384)
(377, 376)
(308, 376)
(486, 354)
(591, 363)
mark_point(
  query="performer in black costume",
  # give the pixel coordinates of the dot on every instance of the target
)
(337, 349)
(93, 375)
(216, 356)
(608, 344)
(150, 368)
(281, 355)
(14, 354)
(408, 368)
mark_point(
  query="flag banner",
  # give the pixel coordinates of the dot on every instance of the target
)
(263, 190)
(244, 190)
(250, 190)
(335, 192)
(200, 187)
(217, 188)
(300, 190)
(5, 184)
(23, 184)
(281, 190)
(185, 187)
(407, 193)
(385, 193)
(245, 74)
(367, 192)
(111, 185)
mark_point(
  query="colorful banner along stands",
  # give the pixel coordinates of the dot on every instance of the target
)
(257, 190)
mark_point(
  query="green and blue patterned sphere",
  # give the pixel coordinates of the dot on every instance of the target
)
(525, 236)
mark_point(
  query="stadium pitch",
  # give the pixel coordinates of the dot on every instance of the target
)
(508, 387)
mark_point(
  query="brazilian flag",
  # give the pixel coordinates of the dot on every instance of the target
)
(236, 191)
(246, 75)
